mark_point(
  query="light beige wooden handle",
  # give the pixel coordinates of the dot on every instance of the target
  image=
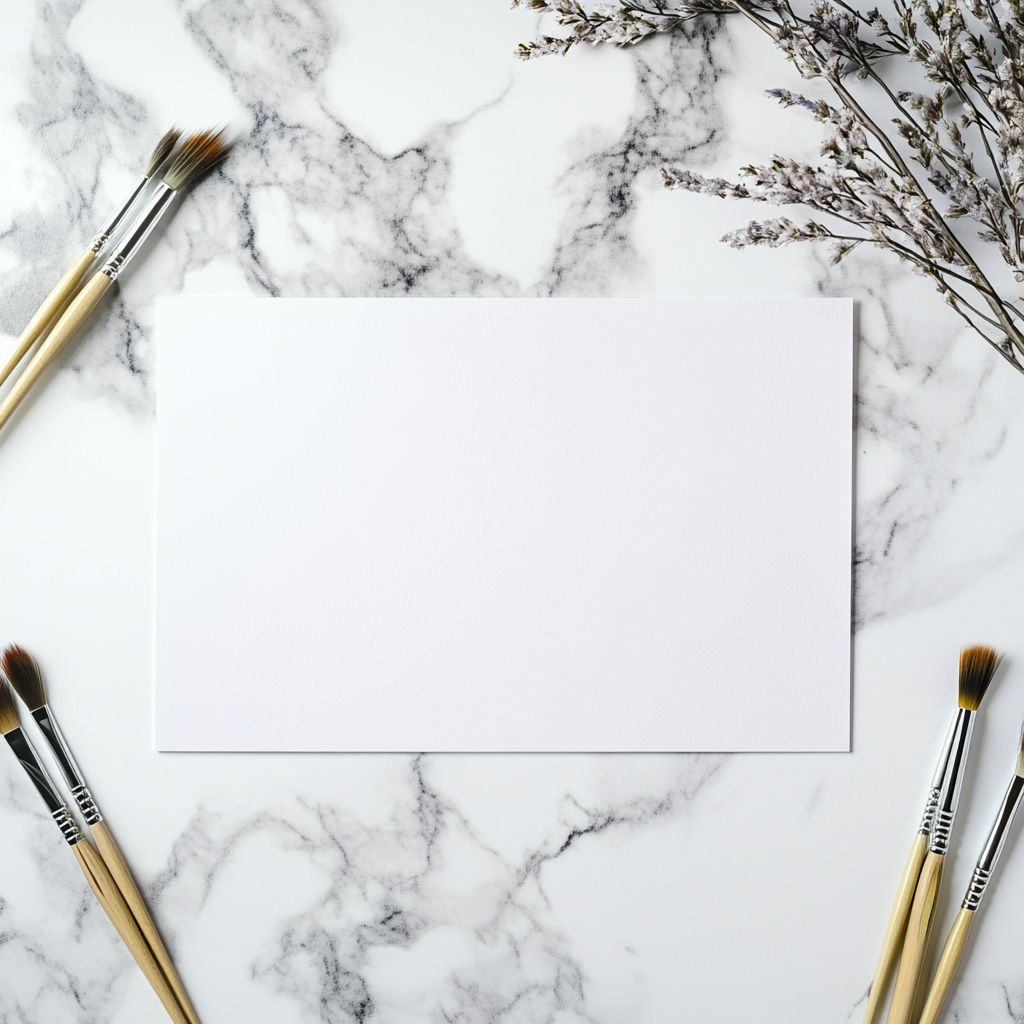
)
(116, 909)
(896, 927)
(126, 883)
(53, 305)
(915, 945)
(948, 963)
(64, 330)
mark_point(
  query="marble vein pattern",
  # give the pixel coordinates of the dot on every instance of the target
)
(420, 896)
(470, 889)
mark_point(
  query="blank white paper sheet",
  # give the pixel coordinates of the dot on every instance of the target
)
(504, 524)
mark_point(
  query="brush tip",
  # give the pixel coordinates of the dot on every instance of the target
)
(22, 673)
(977, 666)
(198, 153)
(1019, 770)
(162, 150)
(9, 717)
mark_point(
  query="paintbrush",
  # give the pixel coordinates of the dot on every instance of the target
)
(977, 666)
(195, 157)
(896, 926)
(92, 865)
(957, 938)
(23, 674)
(64, 291)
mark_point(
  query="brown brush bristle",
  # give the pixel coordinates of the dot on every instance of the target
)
(162, 151)
(1019, 770)
(977, 666)
(23, 674)
(9, 717)
(197, 155)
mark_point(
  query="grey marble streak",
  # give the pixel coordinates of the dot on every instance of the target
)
(405, 877)
(382, 225)
(69, 964)
(934, 412)
(388, 885)
(78, 124)
(675, 120)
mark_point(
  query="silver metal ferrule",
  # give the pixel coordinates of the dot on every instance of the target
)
(58, 746)
(930, 808)
(139, 231)
(113, 221)
(935, 793)
(19, 743)
(66, 763)
(994, 844)
(87, 805)
(67, 826)
(963, 727)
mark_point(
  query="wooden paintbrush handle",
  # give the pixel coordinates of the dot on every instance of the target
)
(53, 305)
(897, 925)
(116, 909)
(915, 945)
(126, 883)
(64, 330)
(948, 963)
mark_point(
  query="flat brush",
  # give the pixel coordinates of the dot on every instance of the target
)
(957, 938)
(92, 865)
(197, 155)
(23, 674)
(64, 291)
(977, 666)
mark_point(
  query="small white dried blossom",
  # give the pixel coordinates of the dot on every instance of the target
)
(775, 233)
(622, 24)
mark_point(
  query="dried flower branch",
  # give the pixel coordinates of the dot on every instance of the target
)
(969, 51)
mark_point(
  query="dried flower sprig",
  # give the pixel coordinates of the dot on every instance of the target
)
(971, 52)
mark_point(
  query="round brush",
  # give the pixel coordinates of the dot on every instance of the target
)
(92, 865)
(957, 938)
(977, 666)
(197, 155)
(23, 674)
(64, 291)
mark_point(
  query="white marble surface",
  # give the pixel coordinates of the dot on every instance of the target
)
(400, 149)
